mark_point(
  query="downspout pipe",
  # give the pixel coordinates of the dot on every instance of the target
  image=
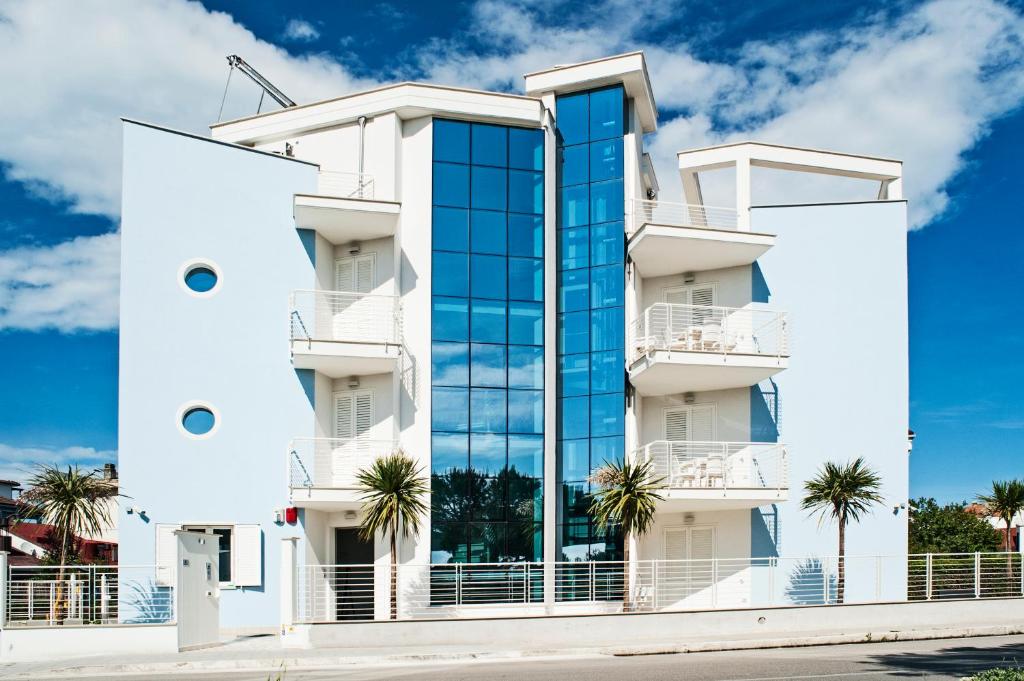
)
(362, 139)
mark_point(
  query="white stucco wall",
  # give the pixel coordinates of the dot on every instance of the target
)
(732, 414)
(840, 270)
(186, 198)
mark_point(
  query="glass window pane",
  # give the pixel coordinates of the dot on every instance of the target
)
(606, 160)
(606, 113)
(573, 290)
(525, 538)
(574, 375)
(607, 450)
(573, 333)
(575, 418)
(573, 165)
(450, 274)
(451, 185)
(607, 373)
(487, 232)
(572, 118)
(450, 319)
(606, 201)
(526, 323)
(573, 248)
(487, 410)
(526, 148)
(486, 545)
(448, 452)
(487, 277)
(490, 145)
(451, 141)
(607, 242)
(525, 366)
(575, 459)
(489, 188)
(607, 286)
(607, 329)
(607, 414)
(449, 363)
(487, 454)
(451, 229)
(525, 192)
(487, 366)
(525, 279)
(526, 411)
(526, 235)
(574, 207)
(487, 321)
(448, 543)
(526, 454)
(450, 409)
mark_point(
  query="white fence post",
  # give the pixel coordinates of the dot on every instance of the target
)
(4, 577)
(977, 575)
(289, 583)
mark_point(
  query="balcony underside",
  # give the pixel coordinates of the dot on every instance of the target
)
(681, 500)
(341, 221)
(327, 498)
(659, 250)
(661, 372)
(338, 359)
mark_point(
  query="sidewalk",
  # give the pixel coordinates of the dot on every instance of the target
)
(263, 653)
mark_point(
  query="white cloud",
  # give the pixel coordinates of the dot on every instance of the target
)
(297, 30)
(17, 463)
(69, 287)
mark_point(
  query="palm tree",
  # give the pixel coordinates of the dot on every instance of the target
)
(842, 492)
(1005, 501)
(74, 502)
(393, 490)
(627, 497)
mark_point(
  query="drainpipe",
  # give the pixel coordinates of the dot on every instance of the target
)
(362, 136)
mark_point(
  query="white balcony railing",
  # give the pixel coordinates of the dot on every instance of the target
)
(332, 463)
(345, 185)
(681, 215)
(718, 465)
(345, 317)
(719, 330)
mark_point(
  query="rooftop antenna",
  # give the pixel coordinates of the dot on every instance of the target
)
(236, 62)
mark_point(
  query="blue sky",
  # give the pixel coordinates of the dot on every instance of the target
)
(939, 84)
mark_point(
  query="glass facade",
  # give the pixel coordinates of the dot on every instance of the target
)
(591, 322)
(487, 354)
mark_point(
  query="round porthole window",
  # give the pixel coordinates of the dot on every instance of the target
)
(197, 420)
(200, 278)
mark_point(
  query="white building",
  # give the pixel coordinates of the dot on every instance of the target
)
(491, 283)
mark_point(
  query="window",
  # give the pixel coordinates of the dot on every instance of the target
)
(198, 420)
(240, 552)
(694, 423)
(199, 278)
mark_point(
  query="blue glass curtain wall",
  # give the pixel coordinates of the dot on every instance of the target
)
(591, 322)
(487, 356)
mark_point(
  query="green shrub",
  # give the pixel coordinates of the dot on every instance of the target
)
(1004, 674)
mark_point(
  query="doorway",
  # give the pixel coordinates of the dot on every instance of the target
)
(353, 575)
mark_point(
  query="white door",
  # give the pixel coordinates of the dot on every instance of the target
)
(354, 277)
(198, 590)
(353, 418)
(688, 580)
(694, 459)
(686, 323)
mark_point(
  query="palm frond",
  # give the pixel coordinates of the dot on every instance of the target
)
(1005, 500)
(393, 490)
(842, 491)
(627, 496)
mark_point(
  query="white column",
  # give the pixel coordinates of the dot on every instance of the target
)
(550, 486)
(743, 193)
(288, 583)
(4, 575)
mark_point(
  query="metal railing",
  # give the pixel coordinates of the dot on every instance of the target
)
(718, 465)
(87, 594)
(331, 463)
(345, 185)
(704, 328)
(344, 316)
(329, 593)
(681, 215)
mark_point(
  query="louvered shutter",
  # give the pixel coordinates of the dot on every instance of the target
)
(166, 556)
(355, 273)
(676, 543)
(677, 424)
(344, 424)
(247, 555)
(677, 296)
(363, 413)
(364, 274)
(702, 423)
(344, 274)
(702, 543)
(702, 295)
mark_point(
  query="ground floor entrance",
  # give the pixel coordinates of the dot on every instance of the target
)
(353, 575)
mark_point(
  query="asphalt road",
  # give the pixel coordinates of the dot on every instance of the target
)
(945, 659)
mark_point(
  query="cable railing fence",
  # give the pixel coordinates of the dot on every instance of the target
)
(332, 462)
(345, 185)
(705, 328)
(718, 465)
(682, 215)
(344, 316)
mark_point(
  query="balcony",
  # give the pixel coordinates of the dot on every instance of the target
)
(322, 471)
(344, 209)
(339, 333)
(688, 348)
(718, 475)
(670, 238)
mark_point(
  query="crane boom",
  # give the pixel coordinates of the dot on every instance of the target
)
(236, 62)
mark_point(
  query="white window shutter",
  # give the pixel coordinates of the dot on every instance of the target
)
(702, 423)
(166, 553)
(675, 544)
(702, 543)
(363, 417)
(344, 426)
(702, 295)
(247, 555)
(364, 274)
(677, 422)
(679, 295)
(344, 274)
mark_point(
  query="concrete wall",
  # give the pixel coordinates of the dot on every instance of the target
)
(732, 286)
(732, 414)
(840, 270)
(41, 643)
(187, 198)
